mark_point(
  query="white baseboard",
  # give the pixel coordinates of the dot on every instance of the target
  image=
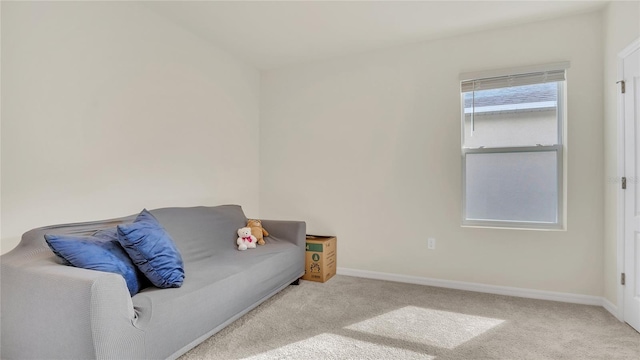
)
(491, 289)
(613, 309)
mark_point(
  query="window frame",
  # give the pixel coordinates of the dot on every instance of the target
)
(559, 148)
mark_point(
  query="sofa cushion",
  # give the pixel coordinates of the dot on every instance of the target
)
(229, 283)
(152, 250)
(102, 252)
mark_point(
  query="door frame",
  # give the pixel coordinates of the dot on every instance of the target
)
(635, 45)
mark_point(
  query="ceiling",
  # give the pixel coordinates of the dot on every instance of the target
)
(272, 34)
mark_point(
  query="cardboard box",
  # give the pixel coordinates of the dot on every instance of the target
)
(321, 258)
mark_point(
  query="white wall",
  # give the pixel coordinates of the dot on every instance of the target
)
(367, 147)
(621, 27)
(108, 108)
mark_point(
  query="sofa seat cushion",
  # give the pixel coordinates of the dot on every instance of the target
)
(217, 289)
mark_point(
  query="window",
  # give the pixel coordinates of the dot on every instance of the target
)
(512, 148)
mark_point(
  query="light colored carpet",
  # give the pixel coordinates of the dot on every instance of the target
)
(354, 318)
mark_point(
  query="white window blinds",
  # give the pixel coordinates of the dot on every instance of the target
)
(512, 80)
(513, 77)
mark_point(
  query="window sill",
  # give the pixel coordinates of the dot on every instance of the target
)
(513, 227)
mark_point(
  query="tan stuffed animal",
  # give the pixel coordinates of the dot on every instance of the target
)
(257, 230)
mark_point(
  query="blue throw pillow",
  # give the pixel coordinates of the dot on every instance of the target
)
(101, 252)
(152, 250)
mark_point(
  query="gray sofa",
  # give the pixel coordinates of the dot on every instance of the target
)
(49, 310)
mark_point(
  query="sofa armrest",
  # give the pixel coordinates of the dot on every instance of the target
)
(293, 231)
(49, 310)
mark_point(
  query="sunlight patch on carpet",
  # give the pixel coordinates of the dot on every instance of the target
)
(426, 326)
(331, 346)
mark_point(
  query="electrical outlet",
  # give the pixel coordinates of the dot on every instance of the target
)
(431, 243)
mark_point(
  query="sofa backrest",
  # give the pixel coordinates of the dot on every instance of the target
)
(200, 232)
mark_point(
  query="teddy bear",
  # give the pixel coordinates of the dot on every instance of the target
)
(257, 230)
(245, 239)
